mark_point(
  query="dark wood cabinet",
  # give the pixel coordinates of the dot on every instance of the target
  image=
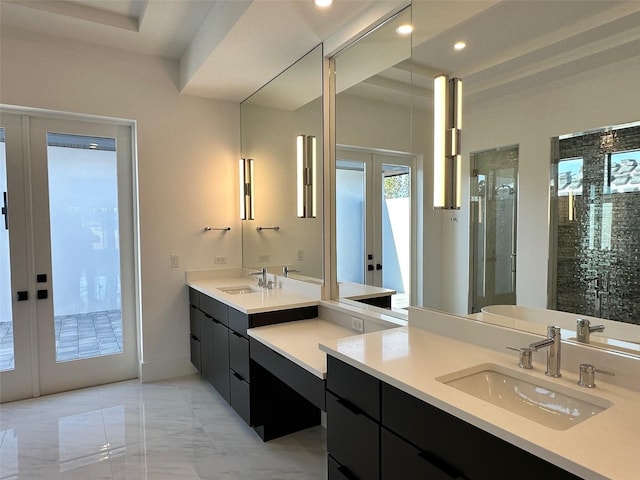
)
(194, 333)
(411, 439)
(220, 370)
(353, 422)
(220, 349)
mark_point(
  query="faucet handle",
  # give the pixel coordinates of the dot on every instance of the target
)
(525, 359)
(588, 373)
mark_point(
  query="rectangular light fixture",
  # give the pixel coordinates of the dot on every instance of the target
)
(447, 125)
(245, 174)
(306, 171)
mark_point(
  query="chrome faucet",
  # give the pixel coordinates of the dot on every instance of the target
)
(584, 330)
(286, 271)
(262, 281)
(553, 352)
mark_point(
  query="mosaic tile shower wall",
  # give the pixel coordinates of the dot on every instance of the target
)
(598, 225)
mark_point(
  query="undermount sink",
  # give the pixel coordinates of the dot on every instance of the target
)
(238, 289)
(539, 400)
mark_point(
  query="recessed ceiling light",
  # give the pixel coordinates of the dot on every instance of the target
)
(460, 45)
(405, 29)
(323, 3)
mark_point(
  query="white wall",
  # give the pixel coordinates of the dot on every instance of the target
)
(187, 151)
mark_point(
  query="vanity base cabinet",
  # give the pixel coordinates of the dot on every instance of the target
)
(458, 447)
(220, 349)
(411, 439)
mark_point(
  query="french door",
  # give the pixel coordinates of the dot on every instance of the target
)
(373, 218)
(67, 273)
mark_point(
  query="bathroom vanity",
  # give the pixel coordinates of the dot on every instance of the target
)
(395, 410)
(221, 313)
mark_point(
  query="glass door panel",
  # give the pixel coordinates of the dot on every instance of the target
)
(350, 221)
(494, 196)
(7, 361)
(395, 207)
(85, 256)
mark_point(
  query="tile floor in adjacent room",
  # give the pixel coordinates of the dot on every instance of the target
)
(175, 429)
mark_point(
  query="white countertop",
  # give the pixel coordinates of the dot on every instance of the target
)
(359, 291)
(265, 300)
(298, 341)
(605, 446)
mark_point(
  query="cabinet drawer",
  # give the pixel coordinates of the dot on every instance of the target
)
(194, 297)
(360, 389)
(443, 436)
(194, 321)
(215, 309)
(238, 322)
(353, 440)
(240, 398)
(195, 353)
(303, 382)
(239, 355)
(337, 471)
(400, 459)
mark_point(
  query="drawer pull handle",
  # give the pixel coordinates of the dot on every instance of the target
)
(347, 473)
(236, 334)
(350, 406)
(441, 465)
(238, 376)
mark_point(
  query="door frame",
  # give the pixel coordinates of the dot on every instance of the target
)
(80, 374)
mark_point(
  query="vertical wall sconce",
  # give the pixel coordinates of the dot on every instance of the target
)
(572, 207)
(306, 184)
(245, 170)
(447, 125)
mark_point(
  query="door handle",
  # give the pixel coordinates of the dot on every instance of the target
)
(23, 296)
(378, 266)
(43, 294)
(370, 268)
(5, 211)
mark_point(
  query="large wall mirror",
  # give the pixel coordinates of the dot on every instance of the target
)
(532, 73)
(271, 121)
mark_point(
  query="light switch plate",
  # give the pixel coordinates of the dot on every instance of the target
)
(175, 260)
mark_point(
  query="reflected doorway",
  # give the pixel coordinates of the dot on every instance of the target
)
(493, 211)
(373, 220)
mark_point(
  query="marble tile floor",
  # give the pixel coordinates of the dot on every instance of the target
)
(175, 429)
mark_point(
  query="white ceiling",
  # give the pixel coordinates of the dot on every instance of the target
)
(227, 49)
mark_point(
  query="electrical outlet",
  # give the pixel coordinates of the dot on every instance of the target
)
(175, 260)
(220, 260)
(357, 324)
(300, 255)
(264, 258)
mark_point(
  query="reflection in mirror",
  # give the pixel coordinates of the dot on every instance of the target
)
(595, 266)
(531, 72)
(271, 120)
(374, 169)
